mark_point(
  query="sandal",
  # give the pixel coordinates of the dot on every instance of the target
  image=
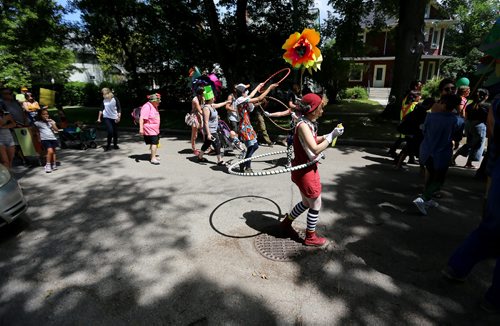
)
(202, 159)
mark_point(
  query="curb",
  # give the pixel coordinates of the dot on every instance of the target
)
(340, 141)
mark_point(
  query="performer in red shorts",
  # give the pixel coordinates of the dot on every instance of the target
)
(307, 146)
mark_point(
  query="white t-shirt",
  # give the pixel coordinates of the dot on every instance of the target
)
(110, 108)
(45, 129)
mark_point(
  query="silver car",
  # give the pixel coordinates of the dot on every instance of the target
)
(12, 202)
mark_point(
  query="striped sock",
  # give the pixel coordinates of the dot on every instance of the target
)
(312, 219)
(297, 210)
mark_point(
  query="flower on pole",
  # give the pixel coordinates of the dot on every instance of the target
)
(302, 51)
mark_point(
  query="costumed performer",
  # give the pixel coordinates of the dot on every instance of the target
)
(245, 104)
(307, 146)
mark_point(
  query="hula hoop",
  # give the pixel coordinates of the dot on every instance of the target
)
(277, 125)
(264, 173)
(277, 72)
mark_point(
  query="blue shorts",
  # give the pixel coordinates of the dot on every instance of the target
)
(50, 144)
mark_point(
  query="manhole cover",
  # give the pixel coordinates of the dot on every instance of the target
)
(279, 248)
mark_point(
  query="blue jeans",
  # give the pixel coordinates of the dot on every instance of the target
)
(475, 132)
(112, 129)
(484, 242)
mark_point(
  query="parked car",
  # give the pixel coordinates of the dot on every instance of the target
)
(12, 201)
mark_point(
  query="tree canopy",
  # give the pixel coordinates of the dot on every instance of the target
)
(32, 43)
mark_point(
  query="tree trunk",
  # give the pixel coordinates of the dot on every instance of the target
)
(213, 22)
(409, 47)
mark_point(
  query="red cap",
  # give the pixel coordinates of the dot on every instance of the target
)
(313, 100)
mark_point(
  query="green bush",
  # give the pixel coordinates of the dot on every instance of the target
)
(431, 88)
(356, 92)
(73, 93)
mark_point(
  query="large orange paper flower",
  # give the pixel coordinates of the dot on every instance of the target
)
(302, 51)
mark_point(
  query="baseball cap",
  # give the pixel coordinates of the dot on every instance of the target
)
(242, 87)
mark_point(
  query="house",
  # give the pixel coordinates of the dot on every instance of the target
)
(88, 69)
(376, 69)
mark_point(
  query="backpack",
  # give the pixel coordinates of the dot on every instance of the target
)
(136, 114)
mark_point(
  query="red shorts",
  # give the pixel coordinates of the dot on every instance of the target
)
(308, 182)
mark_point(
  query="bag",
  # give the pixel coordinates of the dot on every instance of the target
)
(192, 120)
(136, 114)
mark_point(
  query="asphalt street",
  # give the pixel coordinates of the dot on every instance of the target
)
(110, 239)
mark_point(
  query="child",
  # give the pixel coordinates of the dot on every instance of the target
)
(46, 127)
(307, 145)
(437, 148)
(245, 104)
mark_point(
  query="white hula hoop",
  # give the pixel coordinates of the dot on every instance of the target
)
(264, 173)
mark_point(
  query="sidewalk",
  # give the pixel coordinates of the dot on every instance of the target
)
(116, 240)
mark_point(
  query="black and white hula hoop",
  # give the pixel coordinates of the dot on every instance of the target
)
(272, 172)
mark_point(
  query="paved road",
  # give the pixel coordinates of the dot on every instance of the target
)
(116, 240)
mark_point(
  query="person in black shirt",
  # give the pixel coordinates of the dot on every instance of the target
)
(476, 115)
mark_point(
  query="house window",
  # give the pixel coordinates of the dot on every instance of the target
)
(435, 38)
(430, 70)
(362, 37)
(420, 70)
(427, 11)
(356, 73)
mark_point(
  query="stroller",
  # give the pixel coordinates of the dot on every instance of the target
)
(229, 142)
(80, 136)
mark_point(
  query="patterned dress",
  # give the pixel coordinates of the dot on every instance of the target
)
(245, 129)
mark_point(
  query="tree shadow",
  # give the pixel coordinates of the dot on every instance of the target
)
(388, 261)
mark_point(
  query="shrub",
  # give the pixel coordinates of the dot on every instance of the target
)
(431, 88)
(73, 93)
(356, 92)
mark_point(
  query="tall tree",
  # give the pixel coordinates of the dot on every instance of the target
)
(409, 36)
(32, 39)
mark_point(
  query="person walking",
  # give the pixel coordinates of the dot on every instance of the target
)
(196, 108)
(210, 122)
(149, 125)
(436, 149)
(307, 146)
(476, 115)
(484, 242)
(245, 104)
(111, 114)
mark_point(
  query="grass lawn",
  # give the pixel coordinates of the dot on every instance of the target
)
(361, 118)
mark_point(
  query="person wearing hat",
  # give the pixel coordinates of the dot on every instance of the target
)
(245, 104)
(149, 124)
(210, 125)
(21, 96)
(307, 146)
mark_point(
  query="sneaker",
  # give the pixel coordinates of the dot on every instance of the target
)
(155, 162)
(420, 203)
(48, 169)
(54, 167)
(451, 275)
(431, 204)
(116, 147)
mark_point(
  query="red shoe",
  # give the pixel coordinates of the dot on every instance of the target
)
(312, 239)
